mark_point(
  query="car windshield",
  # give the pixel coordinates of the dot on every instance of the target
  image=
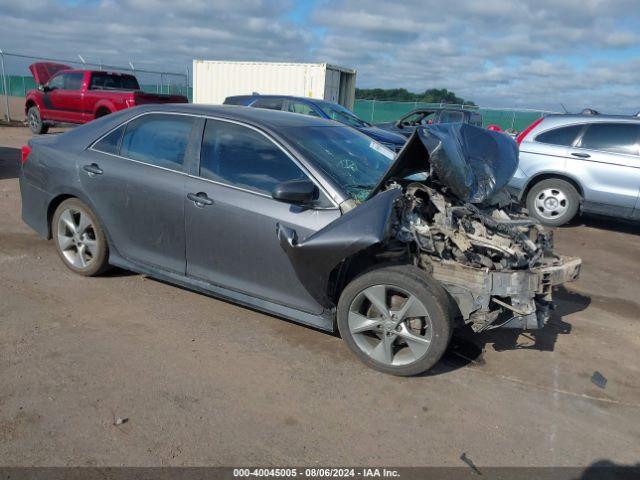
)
(340, 114)
(113, 81)
(354, 161)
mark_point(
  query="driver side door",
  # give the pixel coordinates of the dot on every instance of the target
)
(231, 217)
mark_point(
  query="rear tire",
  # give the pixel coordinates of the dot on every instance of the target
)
(553, 202)
(36, 125)
(79, 239)
(412, 334)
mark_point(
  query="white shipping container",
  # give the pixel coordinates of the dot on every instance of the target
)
(213, 81)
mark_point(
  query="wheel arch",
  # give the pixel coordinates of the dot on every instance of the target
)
(551, 175)
(60, 197)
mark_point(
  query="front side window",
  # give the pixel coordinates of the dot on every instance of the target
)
(612, 137)
(299, 107)
(340, 114)
(564, 136)
(57, 82)
(475, 119)
(269, 103)
(447, 116)
(73, 81)
(157, 139)
(242, 157)
(354, 161)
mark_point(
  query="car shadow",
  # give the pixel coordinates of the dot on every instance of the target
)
(467, 348)
(605, 223)
(9, 162)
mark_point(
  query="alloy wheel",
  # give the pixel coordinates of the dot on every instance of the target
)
(390, 325)
(77, 237)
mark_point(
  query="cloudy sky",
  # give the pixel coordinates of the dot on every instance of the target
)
(521, 53)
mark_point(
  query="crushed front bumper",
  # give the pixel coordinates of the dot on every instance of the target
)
(510, 299)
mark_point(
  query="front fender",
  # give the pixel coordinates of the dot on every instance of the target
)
(314, 258)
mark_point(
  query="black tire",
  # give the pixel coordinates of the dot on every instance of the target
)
(36, 125)
(103, 112)
(95, 259)
(424, 288)
(567, 201)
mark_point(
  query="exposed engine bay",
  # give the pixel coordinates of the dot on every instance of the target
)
(499, 267)
(457, 223)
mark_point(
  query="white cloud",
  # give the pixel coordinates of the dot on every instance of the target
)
(529, 53)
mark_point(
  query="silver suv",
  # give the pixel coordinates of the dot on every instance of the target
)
(571, 163)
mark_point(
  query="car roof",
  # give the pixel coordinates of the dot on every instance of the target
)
(284, 97)
(257, 116)
(440, 109)
(582, 118)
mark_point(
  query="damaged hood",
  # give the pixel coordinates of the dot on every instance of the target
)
(472, 162)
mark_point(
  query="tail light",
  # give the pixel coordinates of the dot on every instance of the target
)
(24, 154)
(527, 130)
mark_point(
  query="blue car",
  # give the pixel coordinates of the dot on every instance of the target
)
(322, 109)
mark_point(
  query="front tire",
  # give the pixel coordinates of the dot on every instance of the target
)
(36, 125)
(79, 239)
(395, 320)
(553, 202)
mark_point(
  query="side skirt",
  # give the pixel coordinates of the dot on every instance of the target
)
(324, 321)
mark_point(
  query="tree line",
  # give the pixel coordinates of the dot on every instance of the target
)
(432, 95)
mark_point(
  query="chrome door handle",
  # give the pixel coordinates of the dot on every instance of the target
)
(200, 199)
(581, 155)
(93, 169)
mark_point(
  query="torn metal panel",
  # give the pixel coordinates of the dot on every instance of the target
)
(315, 257)
(472, 162)
(495, 262)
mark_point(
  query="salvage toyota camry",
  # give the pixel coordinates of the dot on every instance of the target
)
(303, 218)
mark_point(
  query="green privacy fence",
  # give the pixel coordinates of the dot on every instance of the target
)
(18, 86)
(376, 111)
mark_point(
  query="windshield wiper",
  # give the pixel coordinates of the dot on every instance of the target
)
(361, 186)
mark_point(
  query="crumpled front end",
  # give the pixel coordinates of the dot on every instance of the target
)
(498, 267)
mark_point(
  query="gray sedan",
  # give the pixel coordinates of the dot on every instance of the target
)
(300, 217)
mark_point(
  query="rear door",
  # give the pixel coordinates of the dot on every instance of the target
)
(231, 231)
(607, 157)
(134, 178)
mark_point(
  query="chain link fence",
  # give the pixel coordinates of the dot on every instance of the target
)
(377, 111)
(16, 79)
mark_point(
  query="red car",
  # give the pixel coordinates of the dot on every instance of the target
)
(65, 95)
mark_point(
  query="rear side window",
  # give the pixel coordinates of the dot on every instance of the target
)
(450, 117)
(563, 136)
(270, 103)
(110, 143)
(241, 157)
(157, 139)
(612, 137)
(113, 81)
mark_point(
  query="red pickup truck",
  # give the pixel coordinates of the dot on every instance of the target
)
(65, 95)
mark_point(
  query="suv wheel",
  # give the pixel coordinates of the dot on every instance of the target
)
(553, 202)
(36, 125)
(79, 239)
(395, 319)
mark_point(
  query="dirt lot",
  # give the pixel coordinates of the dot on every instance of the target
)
(204, 382)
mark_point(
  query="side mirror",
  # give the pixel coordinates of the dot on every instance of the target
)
(299, 192)
(41, 88)
(399, 124)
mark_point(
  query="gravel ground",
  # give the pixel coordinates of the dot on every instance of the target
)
(205, 382)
